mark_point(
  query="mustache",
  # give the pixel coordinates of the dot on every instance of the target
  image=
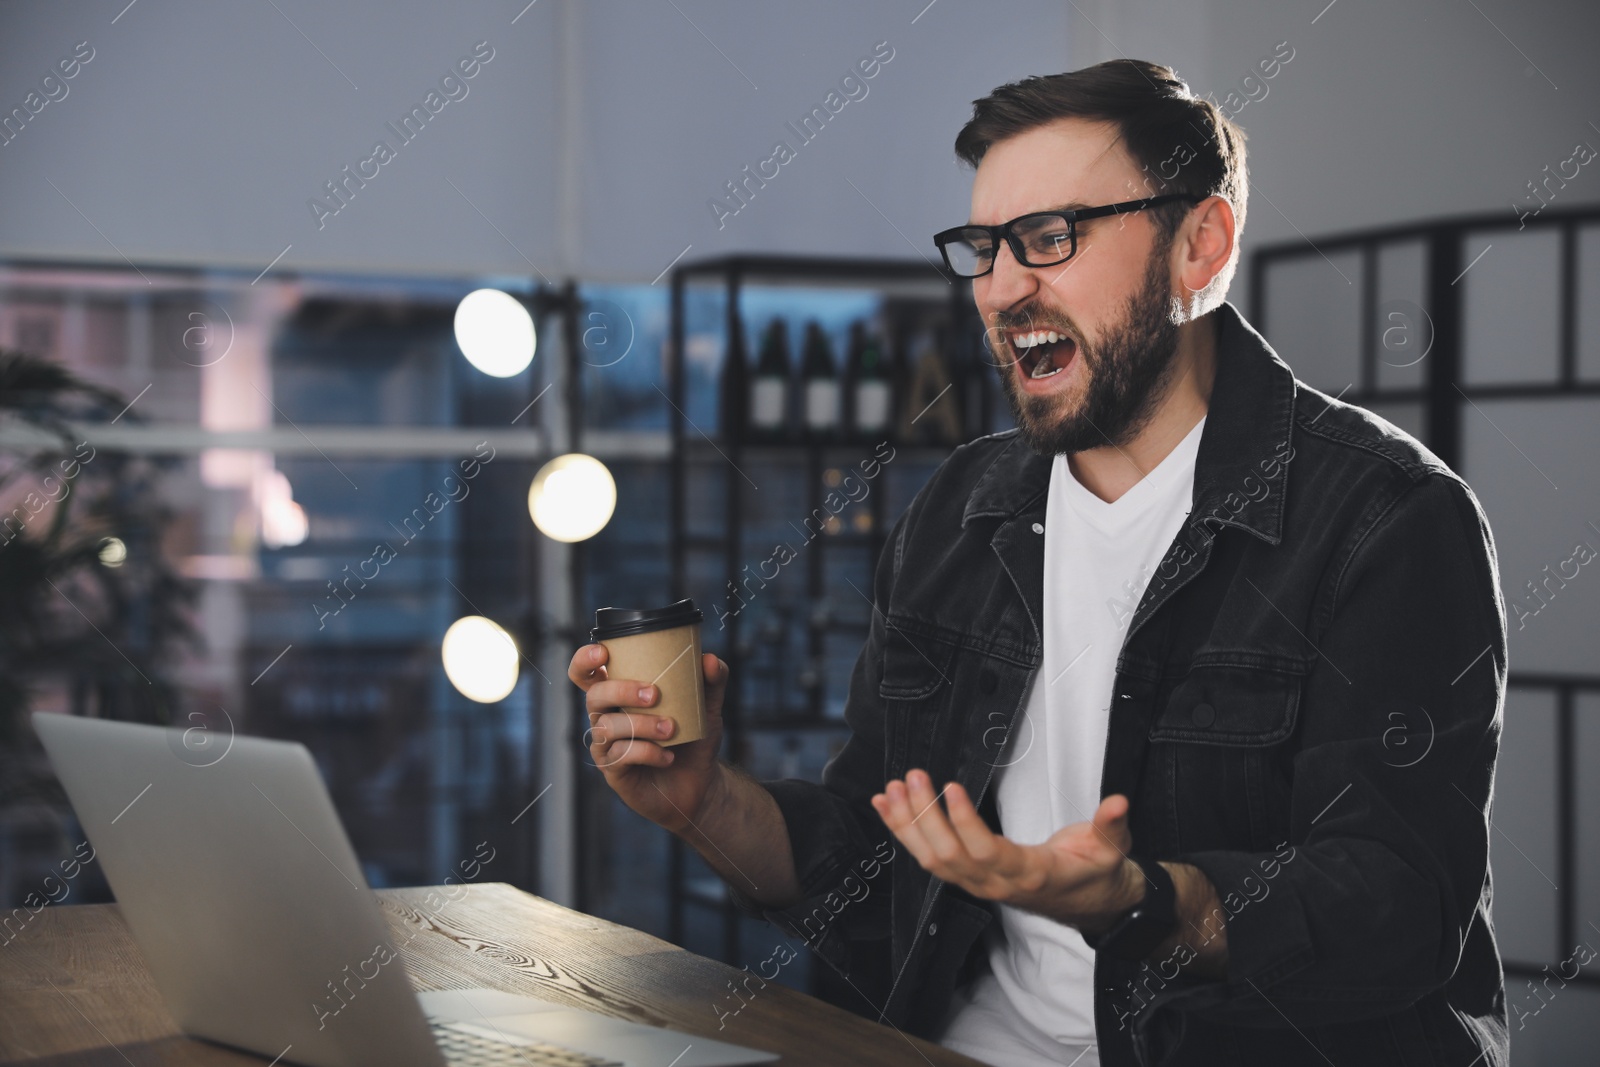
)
(1002, 323)
(1033, 320)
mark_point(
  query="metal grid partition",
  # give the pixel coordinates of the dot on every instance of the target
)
(717, 518)
(1481, 335)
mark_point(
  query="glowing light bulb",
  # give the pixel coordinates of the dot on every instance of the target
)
(113, 552)
(283, 522)
(480, 659)
(495, 332)
(572, 497)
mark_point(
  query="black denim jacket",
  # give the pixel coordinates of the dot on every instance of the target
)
(1307, 708)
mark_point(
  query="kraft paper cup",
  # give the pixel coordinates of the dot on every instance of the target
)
(660, 647)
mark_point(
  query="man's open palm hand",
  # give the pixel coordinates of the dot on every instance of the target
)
(1080, 874)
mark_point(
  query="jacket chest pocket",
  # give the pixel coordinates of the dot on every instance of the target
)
(1238, 706)
(914, 668)
(1219, 761)
(916, 686)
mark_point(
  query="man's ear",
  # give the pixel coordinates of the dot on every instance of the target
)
(1204, 247)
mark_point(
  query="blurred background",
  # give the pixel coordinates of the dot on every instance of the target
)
(259, 454)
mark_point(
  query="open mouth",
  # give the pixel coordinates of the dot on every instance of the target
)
(1043, 353)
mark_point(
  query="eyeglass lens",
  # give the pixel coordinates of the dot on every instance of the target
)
(1046, 240)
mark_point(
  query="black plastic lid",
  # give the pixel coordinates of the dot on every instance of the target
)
(625, 622)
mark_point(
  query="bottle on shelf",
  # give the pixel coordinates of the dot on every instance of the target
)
(822, 407)
(733, 409)
(931, 413)
(868, 394)
(769, 386)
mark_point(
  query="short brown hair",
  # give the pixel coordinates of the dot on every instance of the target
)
(1181, 142)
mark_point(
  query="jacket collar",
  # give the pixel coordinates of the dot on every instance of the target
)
(1249, 419)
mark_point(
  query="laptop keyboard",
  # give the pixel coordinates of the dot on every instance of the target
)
(467, 1048)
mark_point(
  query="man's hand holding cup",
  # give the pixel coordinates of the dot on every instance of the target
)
(654, 701)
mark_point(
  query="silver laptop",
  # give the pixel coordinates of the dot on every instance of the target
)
(236, 879)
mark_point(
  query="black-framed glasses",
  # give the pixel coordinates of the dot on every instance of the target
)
(1041, 239)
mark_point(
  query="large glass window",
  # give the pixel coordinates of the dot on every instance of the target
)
(288, 505)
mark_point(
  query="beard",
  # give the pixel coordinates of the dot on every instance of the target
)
(1127, 371)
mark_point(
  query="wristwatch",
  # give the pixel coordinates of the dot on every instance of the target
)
(1140, 930)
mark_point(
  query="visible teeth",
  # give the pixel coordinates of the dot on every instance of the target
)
(1044, 369)
(1037, 337)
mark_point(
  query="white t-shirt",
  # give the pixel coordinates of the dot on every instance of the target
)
(1036, 1005)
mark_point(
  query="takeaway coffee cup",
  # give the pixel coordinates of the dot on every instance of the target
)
(660, 647)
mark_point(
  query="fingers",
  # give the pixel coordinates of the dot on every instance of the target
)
(629, 751)
(587, 666)
(716, 673)
(976, 837)
(587, 672)
(616, 693)
(894, 806)
(618, 738)
(1111, 822)
(930, 819)
(911, 811)
(621, 724)
(954, 844)
(622, 738)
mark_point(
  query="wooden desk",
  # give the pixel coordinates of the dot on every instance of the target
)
(74, 988)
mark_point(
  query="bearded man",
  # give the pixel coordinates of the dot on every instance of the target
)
(1129, 701)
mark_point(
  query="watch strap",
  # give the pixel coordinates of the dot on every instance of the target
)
(1142, 928)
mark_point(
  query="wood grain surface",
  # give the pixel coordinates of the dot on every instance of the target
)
(74, 988)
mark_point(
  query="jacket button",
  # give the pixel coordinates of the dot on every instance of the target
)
(1038, 527)
(933, 928)
(988, 682)
(1203, 715)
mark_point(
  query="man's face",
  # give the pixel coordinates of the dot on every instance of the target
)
(1110, 305)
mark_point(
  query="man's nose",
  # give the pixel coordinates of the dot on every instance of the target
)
(1010, 283)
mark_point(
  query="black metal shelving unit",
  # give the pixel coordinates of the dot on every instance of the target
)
(718, 461)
